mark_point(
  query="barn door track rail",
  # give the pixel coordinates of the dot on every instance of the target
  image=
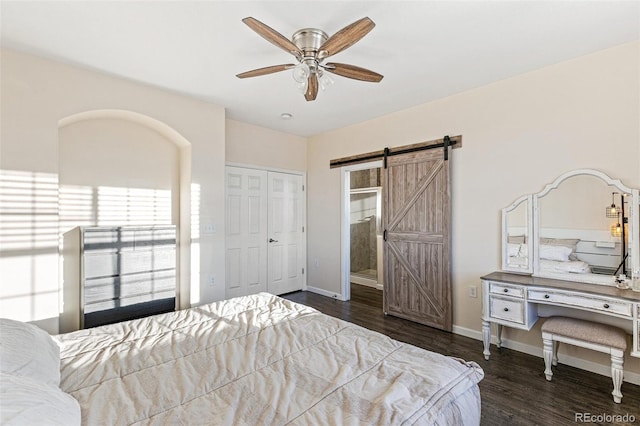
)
(445, 143)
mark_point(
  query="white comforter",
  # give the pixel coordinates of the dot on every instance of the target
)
(259, 360)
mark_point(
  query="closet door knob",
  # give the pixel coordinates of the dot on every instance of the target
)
(506, 290)
(271, 240)
(606, 306)
(506, 309)
(546, 296)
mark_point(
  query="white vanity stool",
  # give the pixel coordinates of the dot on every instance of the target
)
(586, 334)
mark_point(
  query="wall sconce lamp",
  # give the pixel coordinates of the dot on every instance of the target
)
(612, 210)
(618, 228)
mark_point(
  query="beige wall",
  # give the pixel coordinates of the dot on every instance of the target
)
(257, 146)
(37, 94)
(518, 135)
(116, 152)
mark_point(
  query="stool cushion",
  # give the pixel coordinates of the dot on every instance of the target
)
(588, 331)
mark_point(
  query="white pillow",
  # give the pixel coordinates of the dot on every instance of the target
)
(26, 350)
(559, 253)
(25, 401)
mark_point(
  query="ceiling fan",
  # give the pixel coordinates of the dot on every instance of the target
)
(311, 47)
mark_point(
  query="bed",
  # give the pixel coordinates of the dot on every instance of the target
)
(260, 360)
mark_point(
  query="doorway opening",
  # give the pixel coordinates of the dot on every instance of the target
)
(365, 231)
(362, 231)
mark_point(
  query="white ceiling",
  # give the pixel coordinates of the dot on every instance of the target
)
(425, 49)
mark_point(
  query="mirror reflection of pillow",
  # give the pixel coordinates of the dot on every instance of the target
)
(516, 239)
(514, 250)
(572, 243)
(559, 253)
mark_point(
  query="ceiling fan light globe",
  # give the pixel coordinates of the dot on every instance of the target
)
(301, 73)
(325, 81)
(302, 86)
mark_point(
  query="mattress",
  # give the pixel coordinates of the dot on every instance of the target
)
(259, 360)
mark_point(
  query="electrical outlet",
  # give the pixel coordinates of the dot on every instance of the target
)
(473, 291)
(212, 280)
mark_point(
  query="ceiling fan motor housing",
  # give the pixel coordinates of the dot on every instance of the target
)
(309, 40)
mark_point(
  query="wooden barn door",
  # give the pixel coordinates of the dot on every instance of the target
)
(416, 214)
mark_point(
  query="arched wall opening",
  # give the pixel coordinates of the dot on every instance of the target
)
(122, 168)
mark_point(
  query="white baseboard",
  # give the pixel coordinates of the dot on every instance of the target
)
(324, 292)
(580, 363)
(365, 281)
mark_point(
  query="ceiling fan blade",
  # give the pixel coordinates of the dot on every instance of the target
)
(266, 70)
(312, 88)
(272, 36)
(352, 71)
(346, 37)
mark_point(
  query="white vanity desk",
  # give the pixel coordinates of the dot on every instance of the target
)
(513, 300)
(557, 246)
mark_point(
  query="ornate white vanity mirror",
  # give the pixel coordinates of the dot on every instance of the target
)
(585, 229)
(517, 231)
(582, 227)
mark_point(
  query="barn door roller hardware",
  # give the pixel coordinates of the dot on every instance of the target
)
(446, 143)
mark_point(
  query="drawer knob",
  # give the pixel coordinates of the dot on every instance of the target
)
(606, 306)
(506, 290)
(506, 309)
(546, 296)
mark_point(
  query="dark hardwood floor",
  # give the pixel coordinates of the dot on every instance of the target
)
(514, 390)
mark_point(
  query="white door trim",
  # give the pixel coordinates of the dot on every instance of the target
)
(345, 228)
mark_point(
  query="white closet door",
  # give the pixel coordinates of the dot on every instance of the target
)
(246, 254)
(286, 242)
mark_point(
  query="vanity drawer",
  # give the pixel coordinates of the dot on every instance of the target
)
(506, 309)
(592, 302)
(506, 289)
